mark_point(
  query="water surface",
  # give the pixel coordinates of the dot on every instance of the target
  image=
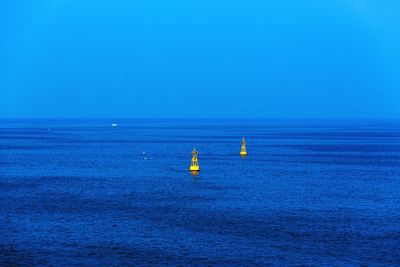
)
(80, 192)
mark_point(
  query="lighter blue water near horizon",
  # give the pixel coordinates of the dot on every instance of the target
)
(80, 192)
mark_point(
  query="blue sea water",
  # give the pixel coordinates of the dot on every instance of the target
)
(80, 192)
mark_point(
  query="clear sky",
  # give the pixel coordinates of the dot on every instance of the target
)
(205, 58)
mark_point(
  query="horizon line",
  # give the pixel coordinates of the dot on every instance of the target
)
(199, 118)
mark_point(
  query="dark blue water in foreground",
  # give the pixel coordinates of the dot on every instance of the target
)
(314, 193)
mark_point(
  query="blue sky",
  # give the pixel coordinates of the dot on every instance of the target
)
(208, 58)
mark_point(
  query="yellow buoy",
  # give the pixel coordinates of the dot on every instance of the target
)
(243, 151)
(194, 165)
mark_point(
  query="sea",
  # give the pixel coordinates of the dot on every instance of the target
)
(79, 192)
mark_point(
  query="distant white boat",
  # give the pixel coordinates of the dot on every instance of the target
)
(114, 125)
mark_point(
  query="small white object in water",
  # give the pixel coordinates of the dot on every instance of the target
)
(114, 125)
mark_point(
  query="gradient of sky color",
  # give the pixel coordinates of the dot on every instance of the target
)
(206, 58)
